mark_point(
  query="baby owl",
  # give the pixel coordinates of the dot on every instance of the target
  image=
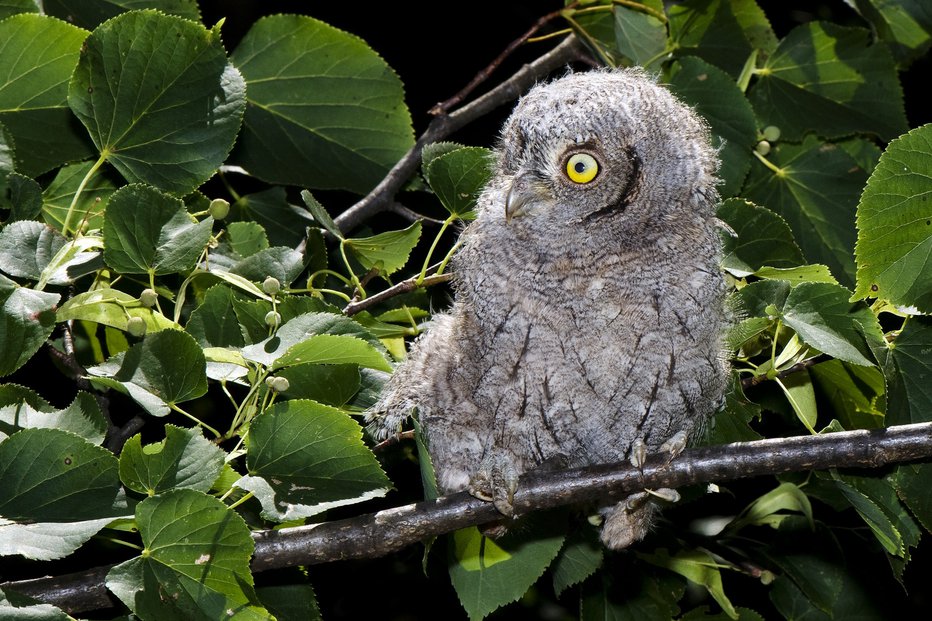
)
(588, 315)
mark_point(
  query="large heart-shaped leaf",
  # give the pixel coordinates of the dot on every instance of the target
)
(828, 79)
(148, 232)
(159, 98)
(325, 111)
(38, 54)
(195, 564)
(305, 458)
(894, 248)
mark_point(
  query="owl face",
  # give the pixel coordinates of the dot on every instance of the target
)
(605, 147)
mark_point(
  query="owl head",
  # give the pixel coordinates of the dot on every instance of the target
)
(609, 148)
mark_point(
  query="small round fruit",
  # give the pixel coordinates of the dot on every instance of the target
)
(136, 326)
(763, 147)
(272, 318)
(771, 133)
(278, 384)
(148, 298)
(271, 285)
(219, 209)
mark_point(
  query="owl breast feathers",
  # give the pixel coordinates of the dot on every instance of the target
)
(588, 315)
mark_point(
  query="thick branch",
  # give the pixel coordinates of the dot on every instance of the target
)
(382, 196)
(381, 533)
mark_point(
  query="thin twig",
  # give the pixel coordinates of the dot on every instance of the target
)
(445, 106)
(403, 287)
(383, 194)
(411, 215)
(378, 534)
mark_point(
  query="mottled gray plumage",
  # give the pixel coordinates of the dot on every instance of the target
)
(588, 316)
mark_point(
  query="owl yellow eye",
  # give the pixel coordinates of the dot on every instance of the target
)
(582, 168)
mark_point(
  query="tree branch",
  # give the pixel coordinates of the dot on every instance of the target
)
(404, 286)
(382, 196)
(377, 534)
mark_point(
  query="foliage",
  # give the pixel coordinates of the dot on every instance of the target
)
(176, 278)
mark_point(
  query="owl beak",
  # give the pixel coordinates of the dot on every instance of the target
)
(523, 192)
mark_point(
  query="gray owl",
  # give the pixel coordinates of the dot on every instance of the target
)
(588, 315)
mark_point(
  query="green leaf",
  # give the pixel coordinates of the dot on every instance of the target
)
(38, 55)
(908, 368)
(280, 262)
(639, 35)
(854, 392)
(26, 247)
(754, 299)
(828, 79)
(214, 323)
(489, 574)
(246, 238)
(27, 319)
(904, 25)
(732, 423)
(176, 130)
(21, 408)
(631, 592)
(57, 197)
(894, 248)
(320, 214)
(714, 95)
(822, 316)
(876, 501)
(797, 275)
(166, 368)
(815, 188)
(16, 606)
(813, 561)
(763, 238)
(323, 338)
(330, 384)
(325, 110)
(457, 178)
(722, 32)
(304, 458)
(912, 482)
(147, 231)
(697, 566)
(785, 497)
(12, 7)
(49, 475)
(388, 252)
(25, 197)
(113, 308)
(283, 222)
(195, 564)
(90, 14)
(334, 349)
(184, 459)
(799, 392)
(580, 558)
(290, 602)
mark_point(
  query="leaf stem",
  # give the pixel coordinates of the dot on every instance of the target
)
(195, 419)
(237, 503)
(433, 246)
(77, 193)
(776, 170)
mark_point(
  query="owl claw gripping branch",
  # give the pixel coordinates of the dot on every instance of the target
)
(589, 302)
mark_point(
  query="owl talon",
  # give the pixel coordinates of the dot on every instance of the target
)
(638, 453)
(665, 494)
(675, 445)
(496, 482)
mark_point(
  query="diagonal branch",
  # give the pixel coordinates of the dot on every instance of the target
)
(383, 195)
(378, 534)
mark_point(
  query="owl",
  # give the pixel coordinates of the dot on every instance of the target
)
(588, 314)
